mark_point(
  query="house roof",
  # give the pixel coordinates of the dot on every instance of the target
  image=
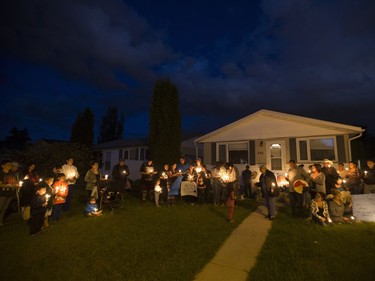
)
(266, 124)
(120, 143)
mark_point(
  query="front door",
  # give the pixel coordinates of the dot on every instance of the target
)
(276, 155)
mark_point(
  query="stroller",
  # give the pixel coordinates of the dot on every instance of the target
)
(109, 196)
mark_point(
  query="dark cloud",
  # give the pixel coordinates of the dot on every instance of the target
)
(311, 58)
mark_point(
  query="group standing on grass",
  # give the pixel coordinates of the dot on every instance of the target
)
(321, 193)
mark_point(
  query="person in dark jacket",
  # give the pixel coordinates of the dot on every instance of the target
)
(270, 190)
(38, 209)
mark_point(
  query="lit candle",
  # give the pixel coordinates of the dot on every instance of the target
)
(198, 169)
(347, 169)
(309, 171)
(365, 173)
(40, 180)
(344, 181)
(151, 170)
(106, 177)
(352, 218)
(329, 220)
(20, 183)
(95, 210)
(124, 172)
(286, 174)
(179, 171)
(47, 197)
(273, 184)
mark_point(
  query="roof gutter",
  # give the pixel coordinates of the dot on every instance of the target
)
(350, 143)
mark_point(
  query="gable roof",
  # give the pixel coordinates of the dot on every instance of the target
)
(265, 124)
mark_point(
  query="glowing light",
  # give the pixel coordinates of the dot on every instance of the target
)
(95, 210)
(347, 169)
(198, 169)
(309, 171)
(352, 218)
(273, 184)
(47, 197)
(179, 171)
(365, 172)
(124, 172)
(40, 180)
(106, 177)
(151, 170)
(329, 220)
(20, 183)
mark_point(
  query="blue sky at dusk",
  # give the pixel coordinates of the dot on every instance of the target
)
(228, 59)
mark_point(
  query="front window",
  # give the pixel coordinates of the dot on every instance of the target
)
(316, 149)
(236, 153)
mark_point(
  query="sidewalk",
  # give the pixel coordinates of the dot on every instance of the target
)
(237, 256)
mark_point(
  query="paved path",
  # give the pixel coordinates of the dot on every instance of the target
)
(237, 256)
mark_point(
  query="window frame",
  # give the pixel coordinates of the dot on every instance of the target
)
(308, 147)
(226, 144)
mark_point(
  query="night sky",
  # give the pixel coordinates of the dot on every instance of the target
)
(227, 58)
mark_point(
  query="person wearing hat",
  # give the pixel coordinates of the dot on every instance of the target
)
(331, 175)
(296, 177)
(369, 176)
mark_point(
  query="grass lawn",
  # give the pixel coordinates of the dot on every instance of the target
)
(140, 242)
(300, 250)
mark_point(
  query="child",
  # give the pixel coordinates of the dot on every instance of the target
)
(91, 208)
(201, 189)
(38, 209)
(61, 190)
(230, 201)
(157, 192)
(50, 194)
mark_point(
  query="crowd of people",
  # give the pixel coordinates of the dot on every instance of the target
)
(324, 193)
(321, 193)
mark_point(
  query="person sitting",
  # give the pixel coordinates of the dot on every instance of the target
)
(91, 209)
(319, 210)
(337, 208)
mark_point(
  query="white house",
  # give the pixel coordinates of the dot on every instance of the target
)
(273, 138)
(135, 152)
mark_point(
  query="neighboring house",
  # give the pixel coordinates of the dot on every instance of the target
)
(273, 138)
(135, 152)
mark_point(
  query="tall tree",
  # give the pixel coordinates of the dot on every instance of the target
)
(83, 128)
(165, 123)
(18, 139)
(112, 126)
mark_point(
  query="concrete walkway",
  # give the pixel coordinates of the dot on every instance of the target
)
(237, 256)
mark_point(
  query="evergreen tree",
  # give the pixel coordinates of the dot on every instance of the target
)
(165, 124)
(112, 126)
(18, 139)
(83, 128)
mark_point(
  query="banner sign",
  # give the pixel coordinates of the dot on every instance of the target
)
(364, 207)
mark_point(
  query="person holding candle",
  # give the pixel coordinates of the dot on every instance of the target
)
(50, 194)
(330, 173)
(120, 174)
(173, 175)
(337, 208)
(369, 177)
(147, 171)
(92, 179)
(60, 188)
(296, 197)
(91, 209)
(353, 179)
(319, 210)
(157, 191)
(71, 176)
(38, 209)
(270, 190)
(164, 182)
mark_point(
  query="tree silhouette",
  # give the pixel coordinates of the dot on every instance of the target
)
(112, 126)
(165, 123)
